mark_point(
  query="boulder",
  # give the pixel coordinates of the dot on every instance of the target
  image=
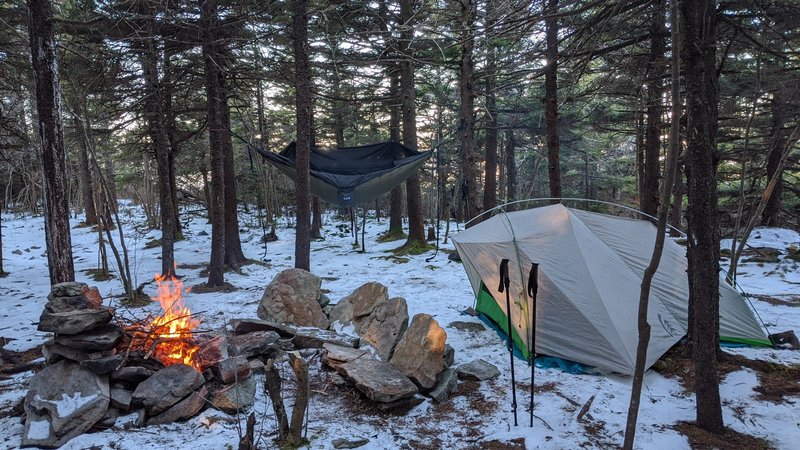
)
(64, 400)
(66, 304)
(384, 327)
(103, 365)
(420, 352)
(131, 374)
(446, 384)
(316, 338)
(166, 387)
(186, 408)
(68, 289)
(366, 298)
(234, 397)
(98, 339)
(378, 380)
(121, 398)
(449, 356)
(252, 344)
(74, 322)
(244, 326)
(341, 314)
(292, 298)
(478, 370)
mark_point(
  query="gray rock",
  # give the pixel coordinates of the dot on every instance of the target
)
(68, 289)
(108, 420)
(131, 374)
(336, 355)
(166, 387)
(54, 352)
(66, 304)
(103, 365)
(378, 380)
(64, 400)
(467, 326)
(121, 398)
(404, 404)
(74, 322)
(232, 369)
(315, 338)
(384, 327)
(341, 313)
(323, 300)
(446, 384)
(478, 370)
(234, 397)
(420, 352)
(186, 408)
(449, 356)
(454, 256)
(291, 298)
(244, 326)
(349, 443)
(98, 339)
(366, 298)
(253, 344)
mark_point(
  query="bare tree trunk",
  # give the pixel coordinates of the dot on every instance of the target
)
(490, 177)
(84, 168)
(210, 21)
(316, 217)
(670, 169)
(511, 167)
(676, 214)
(769, 217)
(656, 66)
(299, 36)
(551, 100)
(396, 196)
(2, 206)
(466, 125)
(698, 30)
(300, 369)
(416, 227)
(52, 154)
(272, 384)
(234, 256)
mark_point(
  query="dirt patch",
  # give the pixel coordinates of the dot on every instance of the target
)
(513, 444)
(12, 362)
(793, 300)
(776, 381)
(203, 289)
(700, 439)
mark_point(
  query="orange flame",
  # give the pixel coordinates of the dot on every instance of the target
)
(173, 329)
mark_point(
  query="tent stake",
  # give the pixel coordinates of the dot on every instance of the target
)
(533, 289)
(505, 282)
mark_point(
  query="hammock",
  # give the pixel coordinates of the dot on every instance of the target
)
(348, 176)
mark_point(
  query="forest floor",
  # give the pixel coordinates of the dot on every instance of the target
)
(588, 411)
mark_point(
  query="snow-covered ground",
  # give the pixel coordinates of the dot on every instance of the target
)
(438, 287)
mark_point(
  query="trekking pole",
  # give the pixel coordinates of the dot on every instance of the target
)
(533, 288)
(505, 282)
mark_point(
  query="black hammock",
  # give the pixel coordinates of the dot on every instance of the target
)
(348, 176)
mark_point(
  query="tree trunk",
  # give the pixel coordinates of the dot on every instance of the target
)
(466, 125)
(300, 369)
(52, 154)
(84, 168)
(511, 167)
(551, 100)
(769, 218)
(396, 196)
(234, 257)
(490, 177)
(2, 272)
(210, 21)
(416, 227)
(316, 218)
(676, 213)
(656, 67)
(698, 29)
(299, 36)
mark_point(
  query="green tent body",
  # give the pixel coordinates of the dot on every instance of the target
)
(590, 273)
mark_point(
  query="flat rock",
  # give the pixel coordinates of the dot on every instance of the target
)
(232, 369)
(291, 298)
(449, 356)
(378, 380)
(366, 298)
(316, 338)
(404, 404)
(131, 374)
(65, 304)
(167, 387)
(68, 289)
(234, 397)
(98, 339)
(341, 443)
(186, 408)
(74, 322)
(54, 352)
(244, 326)
(121, 398)
(103, 365)
(336, 355)
(252, 344)
(64, 400)
(341, 313)
(384, 327)
(108, 420)
(420, 352)
(478, 370)
(446, 384)
(467, 326)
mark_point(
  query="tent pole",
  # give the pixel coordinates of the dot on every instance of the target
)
(533, 288)
(505, 282)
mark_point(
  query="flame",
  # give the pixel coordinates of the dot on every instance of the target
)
(173, 329)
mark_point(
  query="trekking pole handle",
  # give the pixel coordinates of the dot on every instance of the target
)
(533, 281)
(505, 281)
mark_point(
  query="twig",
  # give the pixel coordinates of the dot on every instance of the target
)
(585, 409)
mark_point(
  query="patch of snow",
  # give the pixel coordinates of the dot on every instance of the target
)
(68, 403)
(39, 429)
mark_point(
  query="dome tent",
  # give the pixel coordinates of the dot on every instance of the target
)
(590, 272)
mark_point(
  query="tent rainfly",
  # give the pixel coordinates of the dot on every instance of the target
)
(347, 176)
(590, 272)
